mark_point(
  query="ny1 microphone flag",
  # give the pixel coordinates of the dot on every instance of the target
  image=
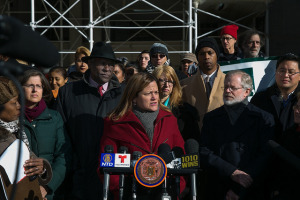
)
(115, 160)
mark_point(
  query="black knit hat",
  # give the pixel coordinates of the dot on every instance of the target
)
(207, 42)
(159, 48)
(101, 50)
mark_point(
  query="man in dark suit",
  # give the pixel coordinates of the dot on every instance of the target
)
(234, 151)
(83, 104)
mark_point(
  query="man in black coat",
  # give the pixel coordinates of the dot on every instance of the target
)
(234, 152)
(279, 100)
(83, 104)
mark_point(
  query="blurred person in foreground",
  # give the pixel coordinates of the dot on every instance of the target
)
(233, 144)
(141, 123)
(9, 133)
(45, 130)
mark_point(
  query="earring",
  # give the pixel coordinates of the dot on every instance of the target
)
(134, 103)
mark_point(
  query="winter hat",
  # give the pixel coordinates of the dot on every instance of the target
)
(207, 42)
(8, 90)
(231, 30)
(159, 48)
(190, 57)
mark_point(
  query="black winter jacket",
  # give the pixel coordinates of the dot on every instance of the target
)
(83, 110)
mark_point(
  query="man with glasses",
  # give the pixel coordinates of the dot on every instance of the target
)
(230, 50)
(203, 92)
(83, 105)
(279, 100)
(252, 41)
(233, 144)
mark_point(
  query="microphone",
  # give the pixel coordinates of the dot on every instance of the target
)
(284, 154)
(164, 151)
(108, 149)
(122, 150)
(19, 41)
(191, 147)
(178, 153)
(135, 156)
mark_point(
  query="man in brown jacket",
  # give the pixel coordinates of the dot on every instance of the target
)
(204, 90)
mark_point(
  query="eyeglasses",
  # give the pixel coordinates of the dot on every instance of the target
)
(296, 108)
(226, 38)
(158, 56)
(166, 82)
(32, 86)
(231, 89)
(282, 72)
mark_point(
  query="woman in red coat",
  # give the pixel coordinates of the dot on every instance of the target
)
(141, 123)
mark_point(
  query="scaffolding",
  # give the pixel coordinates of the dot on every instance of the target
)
(100, 19)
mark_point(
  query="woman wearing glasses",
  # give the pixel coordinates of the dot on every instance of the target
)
(44, 127)
(169, 86)
(230, 50)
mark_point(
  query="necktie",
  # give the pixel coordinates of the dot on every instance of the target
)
(100, 90)
(208, 87)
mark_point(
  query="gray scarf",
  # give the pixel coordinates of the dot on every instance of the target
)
(147, 119)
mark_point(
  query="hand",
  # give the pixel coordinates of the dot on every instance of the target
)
(43, 191)
(34, 166)
(241, 178)
(231, 195)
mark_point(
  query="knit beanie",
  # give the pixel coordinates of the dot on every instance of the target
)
(159, 48)
(7, 90)
(189, 56)
(207, 42)
(231, 30)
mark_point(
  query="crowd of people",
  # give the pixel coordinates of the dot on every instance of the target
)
(71, 115)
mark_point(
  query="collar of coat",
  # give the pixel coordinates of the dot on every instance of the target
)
(46, 115)
(131, 117)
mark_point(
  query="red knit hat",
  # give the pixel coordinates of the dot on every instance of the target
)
(231, 30)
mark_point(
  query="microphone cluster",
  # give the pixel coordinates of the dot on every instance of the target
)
(176, 161)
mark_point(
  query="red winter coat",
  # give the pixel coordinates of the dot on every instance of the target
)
(128, 131)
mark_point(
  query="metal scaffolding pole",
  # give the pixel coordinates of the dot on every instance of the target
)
(32, 24)
(190, 26)
(91, 24)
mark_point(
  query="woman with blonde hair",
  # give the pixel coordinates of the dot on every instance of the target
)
(169, 86)
(80, 66)
(141, 123)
